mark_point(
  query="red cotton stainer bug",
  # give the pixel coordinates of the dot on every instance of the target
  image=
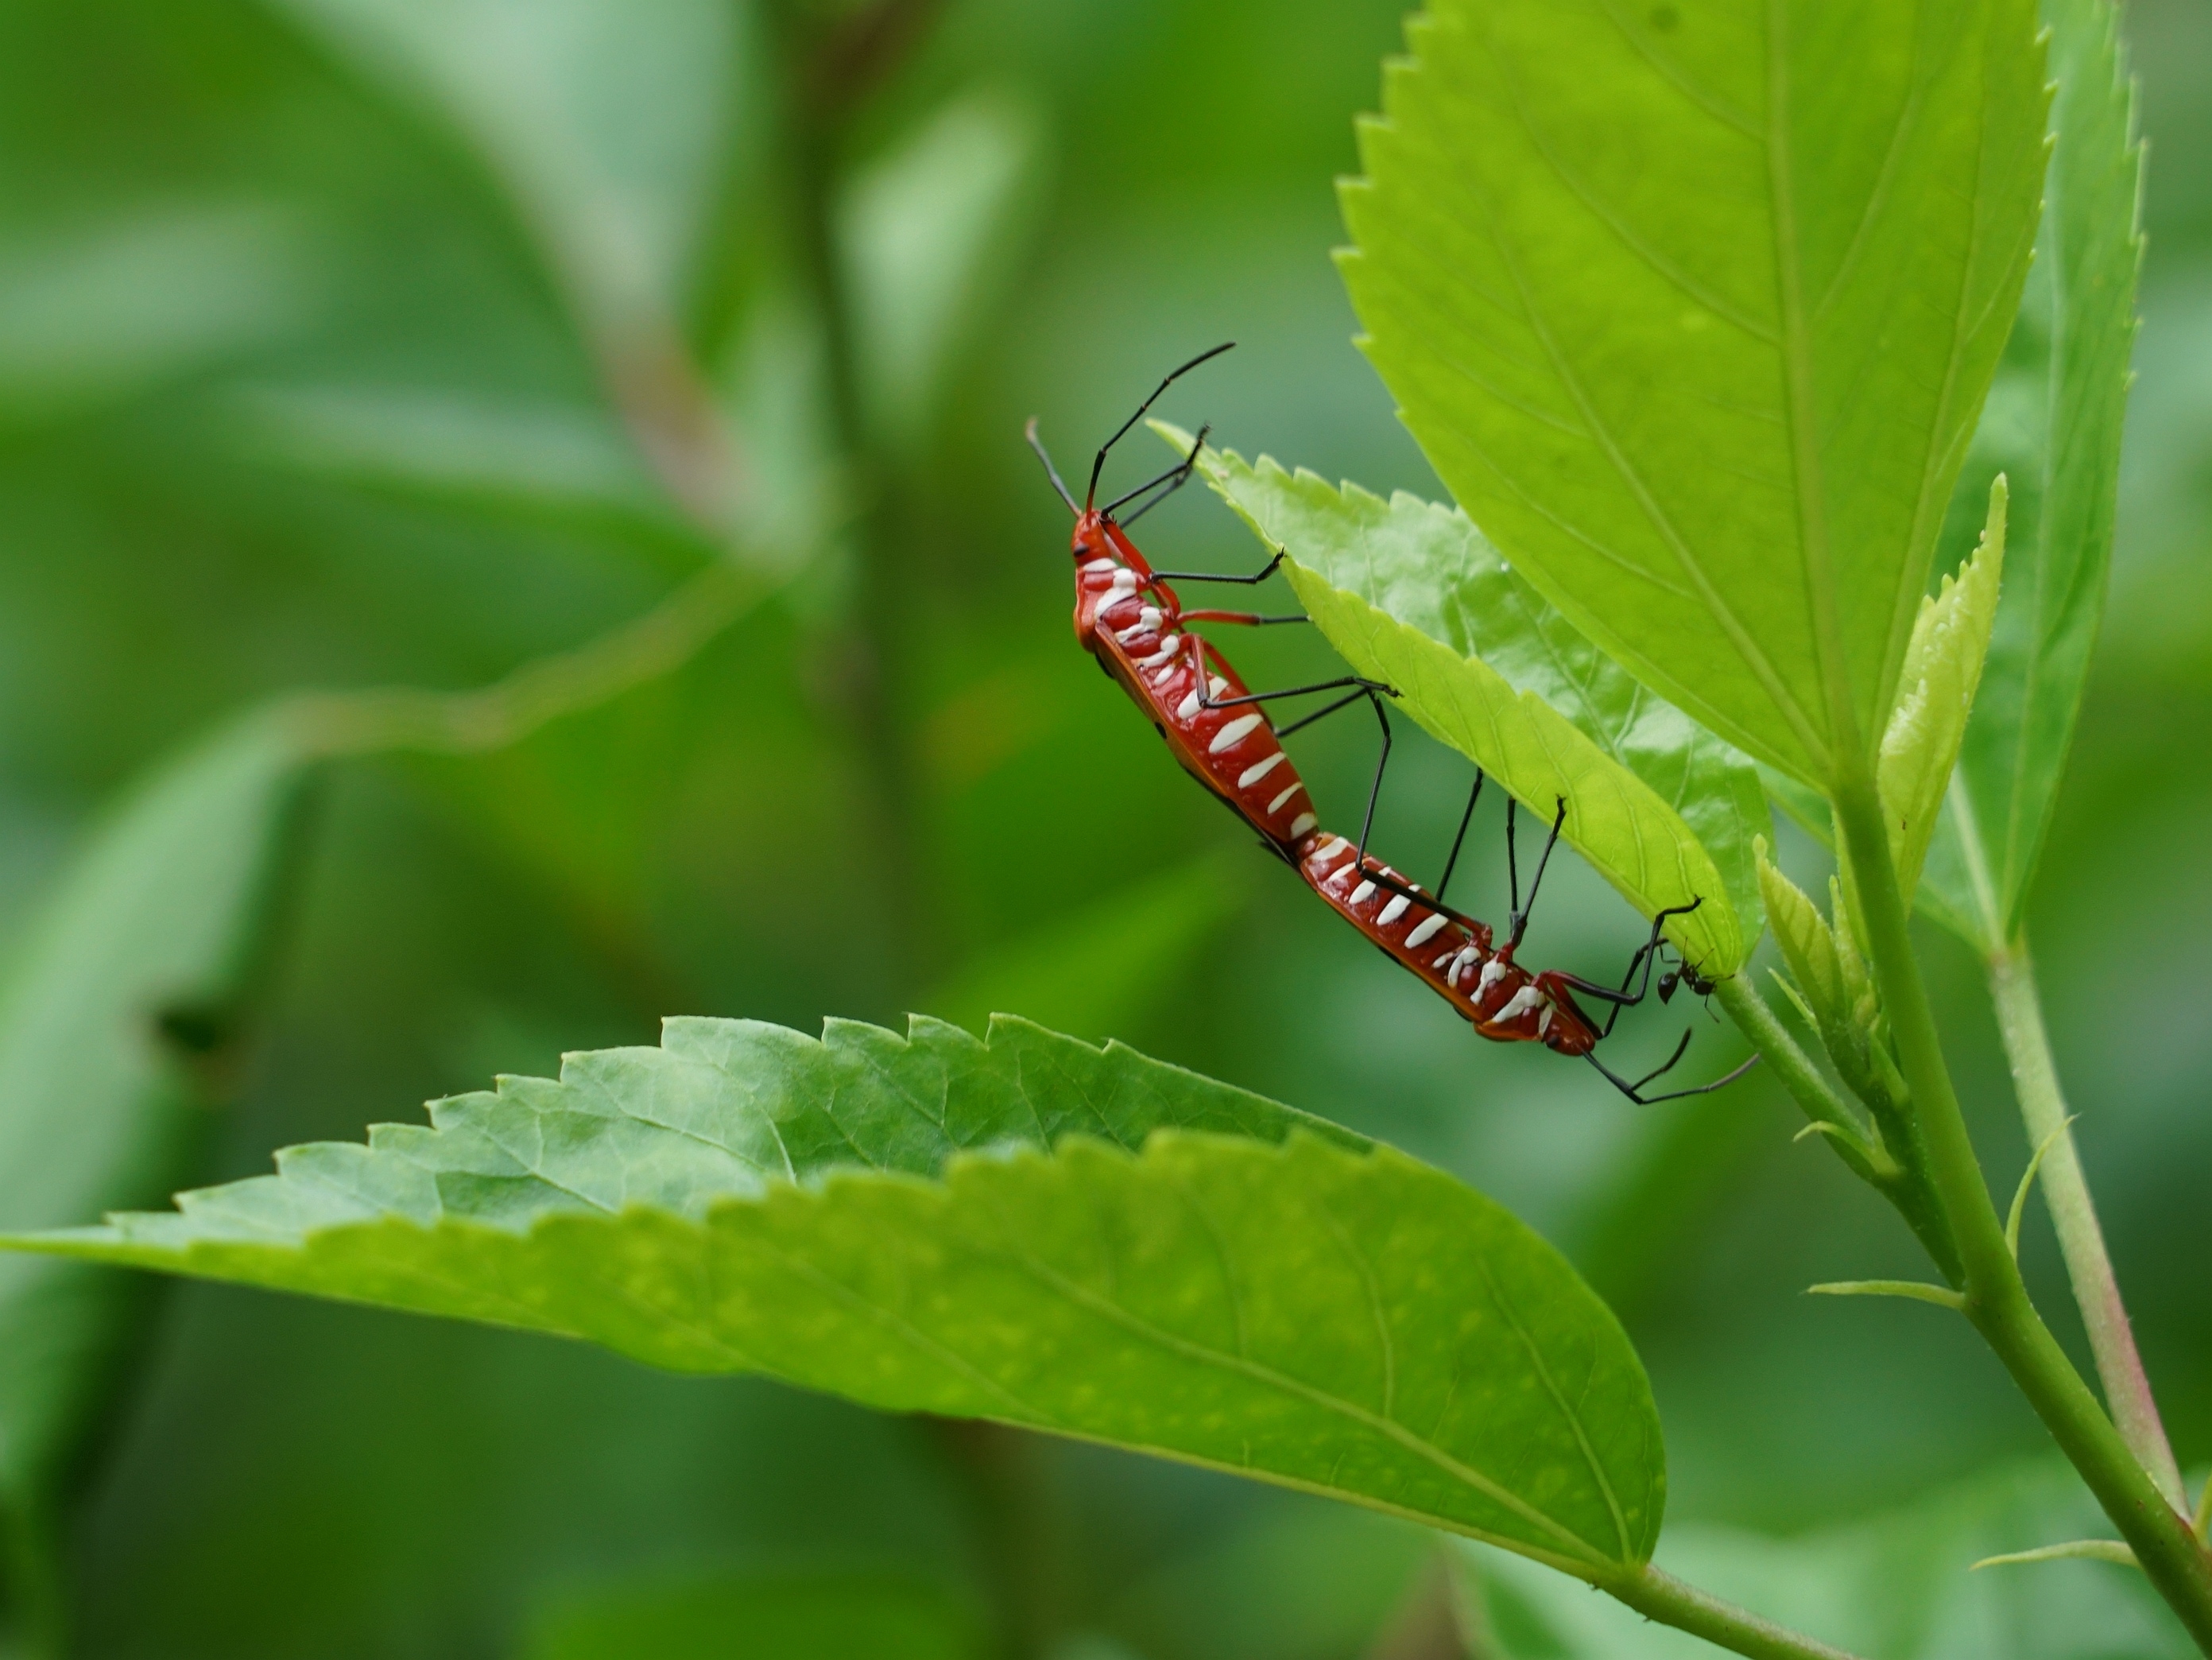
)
(1132, 622)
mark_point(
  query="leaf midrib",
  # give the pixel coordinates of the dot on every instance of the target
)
(1708, 595)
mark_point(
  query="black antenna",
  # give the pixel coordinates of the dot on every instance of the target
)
(1052, 472)
(1099, 466)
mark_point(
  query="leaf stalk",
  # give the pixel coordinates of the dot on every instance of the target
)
(1657, 1594)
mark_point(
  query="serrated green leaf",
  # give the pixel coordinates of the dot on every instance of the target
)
(1942, 669)
(2053, 426)
(948, 1225)
(1614, 819)
(1428, 566)
(118, 1029)
(1897, 1584)
(1694, 310)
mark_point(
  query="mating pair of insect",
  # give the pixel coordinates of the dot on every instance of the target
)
(1131, 621)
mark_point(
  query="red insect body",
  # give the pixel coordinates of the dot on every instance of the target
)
(1134, 625)
(1503, 1002)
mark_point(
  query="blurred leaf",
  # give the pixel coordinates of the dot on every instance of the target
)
(1429, 567)
(758, 1617)
(2053, 428)
(115, 307)
(118, 1029)
(539, 460)
(1099, 968)
(925, 229)
(604, 119)
(1694, 310)
(1302, 1308)
(1936, 694)
(1898, 1585)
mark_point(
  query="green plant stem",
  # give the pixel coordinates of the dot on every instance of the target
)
(1996, 1300)
(996, 1469)
(818, 99)
(1789, 1063)
(2074, 1216)
(1657, 1594)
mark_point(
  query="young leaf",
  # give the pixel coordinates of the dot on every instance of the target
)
(1694, 308)
(2054, 428)
(1808, 946)
(116, 1029)
(956, 1226)
(1943, 667)
(1913, 1290)
(2080, 1550)
(1428, 566)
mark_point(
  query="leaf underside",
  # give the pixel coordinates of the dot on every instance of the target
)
(1024, 1228)
(1693, 310)
(1418, 597)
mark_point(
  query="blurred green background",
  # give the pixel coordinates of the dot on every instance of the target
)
(328, 332)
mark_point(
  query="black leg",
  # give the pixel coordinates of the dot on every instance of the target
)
(1465, 819)
(1362, 688)
(1175, 478)
(1257, 576)
(1375, 790)
(1305, 720)
(1647, 955)
(1631, 1090)
(1512, 856)
(1520, 919)
(1099, 466)
(1243, 619)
